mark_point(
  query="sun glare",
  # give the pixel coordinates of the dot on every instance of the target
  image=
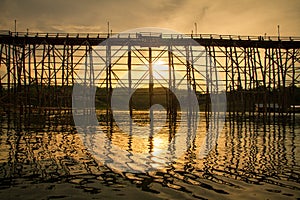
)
(160, 70)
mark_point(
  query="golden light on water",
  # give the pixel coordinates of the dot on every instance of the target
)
(143, 144)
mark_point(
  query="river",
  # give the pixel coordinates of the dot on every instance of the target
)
(45, 157)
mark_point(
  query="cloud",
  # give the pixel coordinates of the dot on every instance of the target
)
(241, 17)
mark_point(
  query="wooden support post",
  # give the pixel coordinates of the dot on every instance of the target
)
(42, 76)
(172, 87)
(207, 82)
(235, 63)
(269, 80)
(192, 70)
(36, 75)
(151, 84)
(284, 76)
(15, 75)
(245, 91)
(188, 76)
(55, 98)
(72, 65)
(129, 80)
(67, 65)
(8, 67)
(29, 89)
(170, 105)
(108, 83)
(63, 66)
(275, 90)
(227, 90)
(279, 67)
(251, 80)
(293, 84)
(233, 91)
(49, 96)
(25, 90)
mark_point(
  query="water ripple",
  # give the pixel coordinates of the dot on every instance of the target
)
(250, 160)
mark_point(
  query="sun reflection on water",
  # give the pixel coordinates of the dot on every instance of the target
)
(251, 158)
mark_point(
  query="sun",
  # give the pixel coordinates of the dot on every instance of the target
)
(160, 70)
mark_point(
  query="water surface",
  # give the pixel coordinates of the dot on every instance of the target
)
(46, 158)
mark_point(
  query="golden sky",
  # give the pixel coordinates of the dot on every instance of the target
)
(236, 17)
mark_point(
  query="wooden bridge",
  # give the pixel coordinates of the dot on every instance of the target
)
(39, 69)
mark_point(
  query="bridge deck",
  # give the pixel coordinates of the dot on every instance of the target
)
(176, 39)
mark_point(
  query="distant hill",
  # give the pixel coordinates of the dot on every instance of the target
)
(141, 98)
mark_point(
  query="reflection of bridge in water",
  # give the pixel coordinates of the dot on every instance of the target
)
(39, 70)
(249, 154)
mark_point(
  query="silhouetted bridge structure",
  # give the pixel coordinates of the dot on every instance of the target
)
(39, 70)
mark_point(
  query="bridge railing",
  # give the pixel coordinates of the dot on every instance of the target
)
(138, 35)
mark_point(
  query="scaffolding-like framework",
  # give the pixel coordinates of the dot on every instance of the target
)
(257, 73)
